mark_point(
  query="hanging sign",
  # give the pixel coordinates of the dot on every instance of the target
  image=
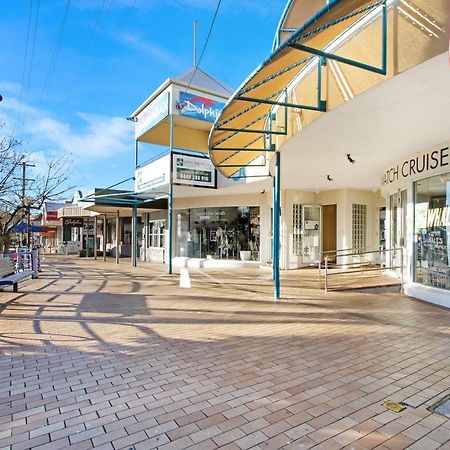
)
(192, 171)
(152, 114)
(199, 107)
(73, 222)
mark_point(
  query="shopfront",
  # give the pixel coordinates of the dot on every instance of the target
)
(417, 192)
(218, 233)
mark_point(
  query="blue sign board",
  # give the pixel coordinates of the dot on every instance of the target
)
(199, 107)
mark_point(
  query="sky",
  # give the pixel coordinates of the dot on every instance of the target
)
(71, 71)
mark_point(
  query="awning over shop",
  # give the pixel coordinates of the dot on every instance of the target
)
(23, 227)
(246, 125)
(109, 201)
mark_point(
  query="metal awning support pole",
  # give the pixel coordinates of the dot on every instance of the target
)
(170, 212)
(95, 237)
(117, 236)
(276, 228)
(104, 236)
(134, 248)
(87, 237)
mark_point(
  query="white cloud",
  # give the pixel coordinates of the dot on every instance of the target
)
(98, 137)
(9, 87)
(158, 53)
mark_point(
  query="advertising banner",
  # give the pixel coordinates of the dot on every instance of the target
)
(152, 175)
(199, 107)
(152, 114)
(193, 171)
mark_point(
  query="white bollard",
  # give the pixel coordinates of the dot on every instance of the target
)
(185, 280)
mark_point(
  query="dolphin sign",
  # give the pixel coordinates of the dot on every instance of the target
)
(199, 107)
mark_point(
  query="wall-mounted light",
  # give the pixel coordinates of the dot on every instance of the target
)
(132, 119)
(350, 159)
(329, 178)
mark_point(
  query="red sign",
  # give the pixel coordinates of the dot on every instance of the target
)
(51, 215)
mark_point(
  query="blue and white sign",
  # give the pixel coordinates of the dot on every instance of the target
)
(152, 114)
(199, 107)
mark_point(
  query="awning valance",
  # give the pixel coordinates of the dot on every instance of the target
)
(241, 133)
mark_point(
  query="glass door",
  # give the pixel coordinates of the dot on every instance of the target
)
(398, 205)
(311, 235)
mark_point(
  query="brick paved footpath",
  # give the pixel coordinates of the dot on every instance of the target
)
(98, 355)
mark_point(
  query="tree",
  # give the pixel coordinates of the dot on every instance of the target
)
(49, 184)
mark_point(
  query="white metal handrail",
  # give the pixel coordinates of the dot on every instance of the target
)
(350, 264)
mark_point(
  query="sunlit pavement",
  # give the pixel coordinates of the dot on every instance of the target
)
(95, 354)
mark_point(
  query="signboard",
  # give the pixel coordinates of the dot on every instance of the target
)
(199, 107)
(51, 215)
(193, 171)
(152, 114)
(419, 166)
(152, 175)
(73, 222)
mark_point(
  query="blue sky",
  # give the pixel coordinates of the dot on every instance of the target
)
(112, 55)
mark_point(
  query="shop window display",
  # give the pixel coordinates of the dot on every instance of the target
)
(432, 227)
(218, 233)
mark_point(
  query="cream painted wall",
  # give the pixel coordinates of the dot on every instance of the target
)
(344, 199)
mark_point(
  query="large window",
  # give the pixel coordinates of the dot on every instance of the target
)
(155, 237)
(432, 228)
(218, 233)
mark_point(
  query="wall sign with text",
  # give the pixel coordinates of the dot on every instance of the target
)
(199, 107)
(422, 165)
(152, 114)
(73, 222)
(193, 171)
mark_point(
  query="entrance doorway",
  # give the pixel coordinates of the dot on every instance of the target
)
(329, 231)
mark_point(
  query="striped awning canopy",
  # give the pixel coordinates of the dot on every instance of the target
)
(240, 133)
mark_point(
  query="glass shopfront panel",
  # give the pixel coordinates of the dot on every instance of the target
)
(218, 233)
(432, 228)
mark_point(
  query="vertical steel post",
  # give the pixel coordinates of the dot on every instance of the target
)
(95, 237)
(134, 238)
(105, 229)
(117, 236)
(384, 38)
(170, 218)
(87, 237)
(276, 227)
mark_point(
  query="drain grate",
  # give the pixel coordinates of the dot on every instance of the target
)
(442, 407)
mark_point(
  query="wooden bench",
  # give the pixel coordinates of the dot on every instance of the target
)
(9, 276)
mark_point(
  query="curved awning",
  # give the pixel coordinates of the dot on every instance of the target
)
(242, 131)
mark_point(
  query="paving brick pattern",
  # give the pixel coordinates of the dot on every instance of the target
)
(98, 355)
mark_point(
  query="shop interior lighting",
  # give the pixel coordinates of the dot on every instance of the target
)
(329, 178)
(350, 159)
